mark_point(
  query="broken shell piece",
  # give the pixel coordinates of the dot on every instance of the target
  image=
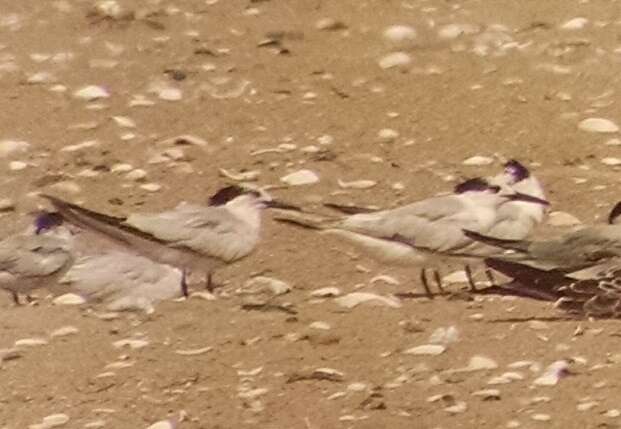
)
(9, 147)
(55, 420)
(395, 59)
(598, 125)
(357, 184)
(399, 33)
(30, 342)
(444, 336)
(64, 331)
(326, 292)
(246, 176)
(478, 160)
(68, 299)
(162, 424)
(124, 121)
(426, 350)
(353, 299)
(262, 284)
(301, 177)
(132, 343)
(194, 352)
(91, 92)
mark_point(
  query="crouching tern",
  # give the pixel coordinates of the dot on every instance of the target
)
(573, 251)
(412, 233)
(190, 237)
(36, 257)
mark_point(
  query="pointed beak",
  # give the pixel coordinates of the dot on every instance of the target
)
(518, 196)
(275, 204)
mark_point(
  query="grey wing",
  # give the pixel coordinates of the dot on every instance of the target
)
(434, 223)
(212, 231)
(33, 255)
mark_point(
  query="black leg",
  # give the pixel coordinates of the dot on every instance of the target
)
(423, 279)
(490, 277)
(184, 284)
(15, 297)
(209, 283)
(468, 271)
(438, 279)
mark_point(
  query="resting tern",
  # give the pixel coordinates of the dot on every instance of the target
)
(36, 257)
(190, 237)
(573, 251)
(124, 281)
(410, 234)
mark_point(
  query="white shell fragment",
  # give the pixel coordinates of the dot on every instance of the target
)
(357, 184)
(245, 176)
(611, 161)
(30, 342)
(55, 420)
(444, 336)
(426, 349)
(558, 218)
(194, 352)
(395, 59)
(9, 147)
(132, 343)
(399, 33)
(598, 125)
(68, 299)
(262, 284)
(162, 424)
(64, 331)
(353, 299)
(326, 292)
(91, 92)
(301, 177)
(478, 160)
(575, 23)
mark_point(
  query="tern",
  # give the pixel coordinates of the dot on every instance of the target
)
(189, 237)
(573, 251)
(411, 233)
(36, 257)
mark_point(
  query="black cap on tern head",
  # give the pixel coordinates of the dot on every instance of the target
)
(45, 220)
(229, 193)
(516, 170)
(477, 184)
(614, 213)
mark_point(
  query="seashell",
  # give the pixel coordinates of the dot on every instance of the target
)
(329, 24)
(353, 299)
(68, 299)
(9, 147)
(30, 342)
(444, 336)
(193, 352)
(320, 325)
(611, 161)
(246, 176)
(301, 177)
(261, 284)
(395, 59)
(91, 92)
(357, 184)
(553, 373)
(598, 125)
(385, 279)
(151, 187)
(326, 292)
(162, 424)
(426, 350)
(84, 145)
(124, 121)
(399, 33)
(575, 23)
(478, 160)
(387, 134)
(64, 331)
(132, 343)
(55, 420)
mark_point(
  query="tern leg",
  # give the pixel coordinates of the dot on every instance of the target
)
(490, 277)
(209, 285)
(15, 297)
(184, 283)
(468, 271)
(423, 279)
(438, 279)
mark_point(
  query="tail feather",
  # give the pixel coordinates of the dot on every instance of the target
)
(517, 245)
(304, 220)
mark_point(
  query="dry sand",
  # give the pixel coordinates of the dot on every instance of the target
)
(252, 75)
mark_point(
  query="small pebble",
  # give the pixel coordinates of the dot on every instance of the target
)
(400, 33)
(91, 92)
(301, 177)
(395, 59)
(598, 125)
(478, 160)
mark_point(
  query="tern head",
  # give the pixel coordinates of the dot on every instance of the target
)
(235, 194)
(613, 217)
(477, 184)
(45, 221)
(515, 171)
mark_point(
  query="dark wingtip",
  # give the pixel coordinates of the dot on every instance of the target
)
(517, 170)
(614, 213)
(229, 193)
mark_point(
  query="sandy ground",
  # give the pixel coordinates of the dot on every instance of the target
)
(498, 79)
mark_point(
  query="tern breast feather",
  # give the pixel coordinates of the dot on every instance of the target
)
(211, 231)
